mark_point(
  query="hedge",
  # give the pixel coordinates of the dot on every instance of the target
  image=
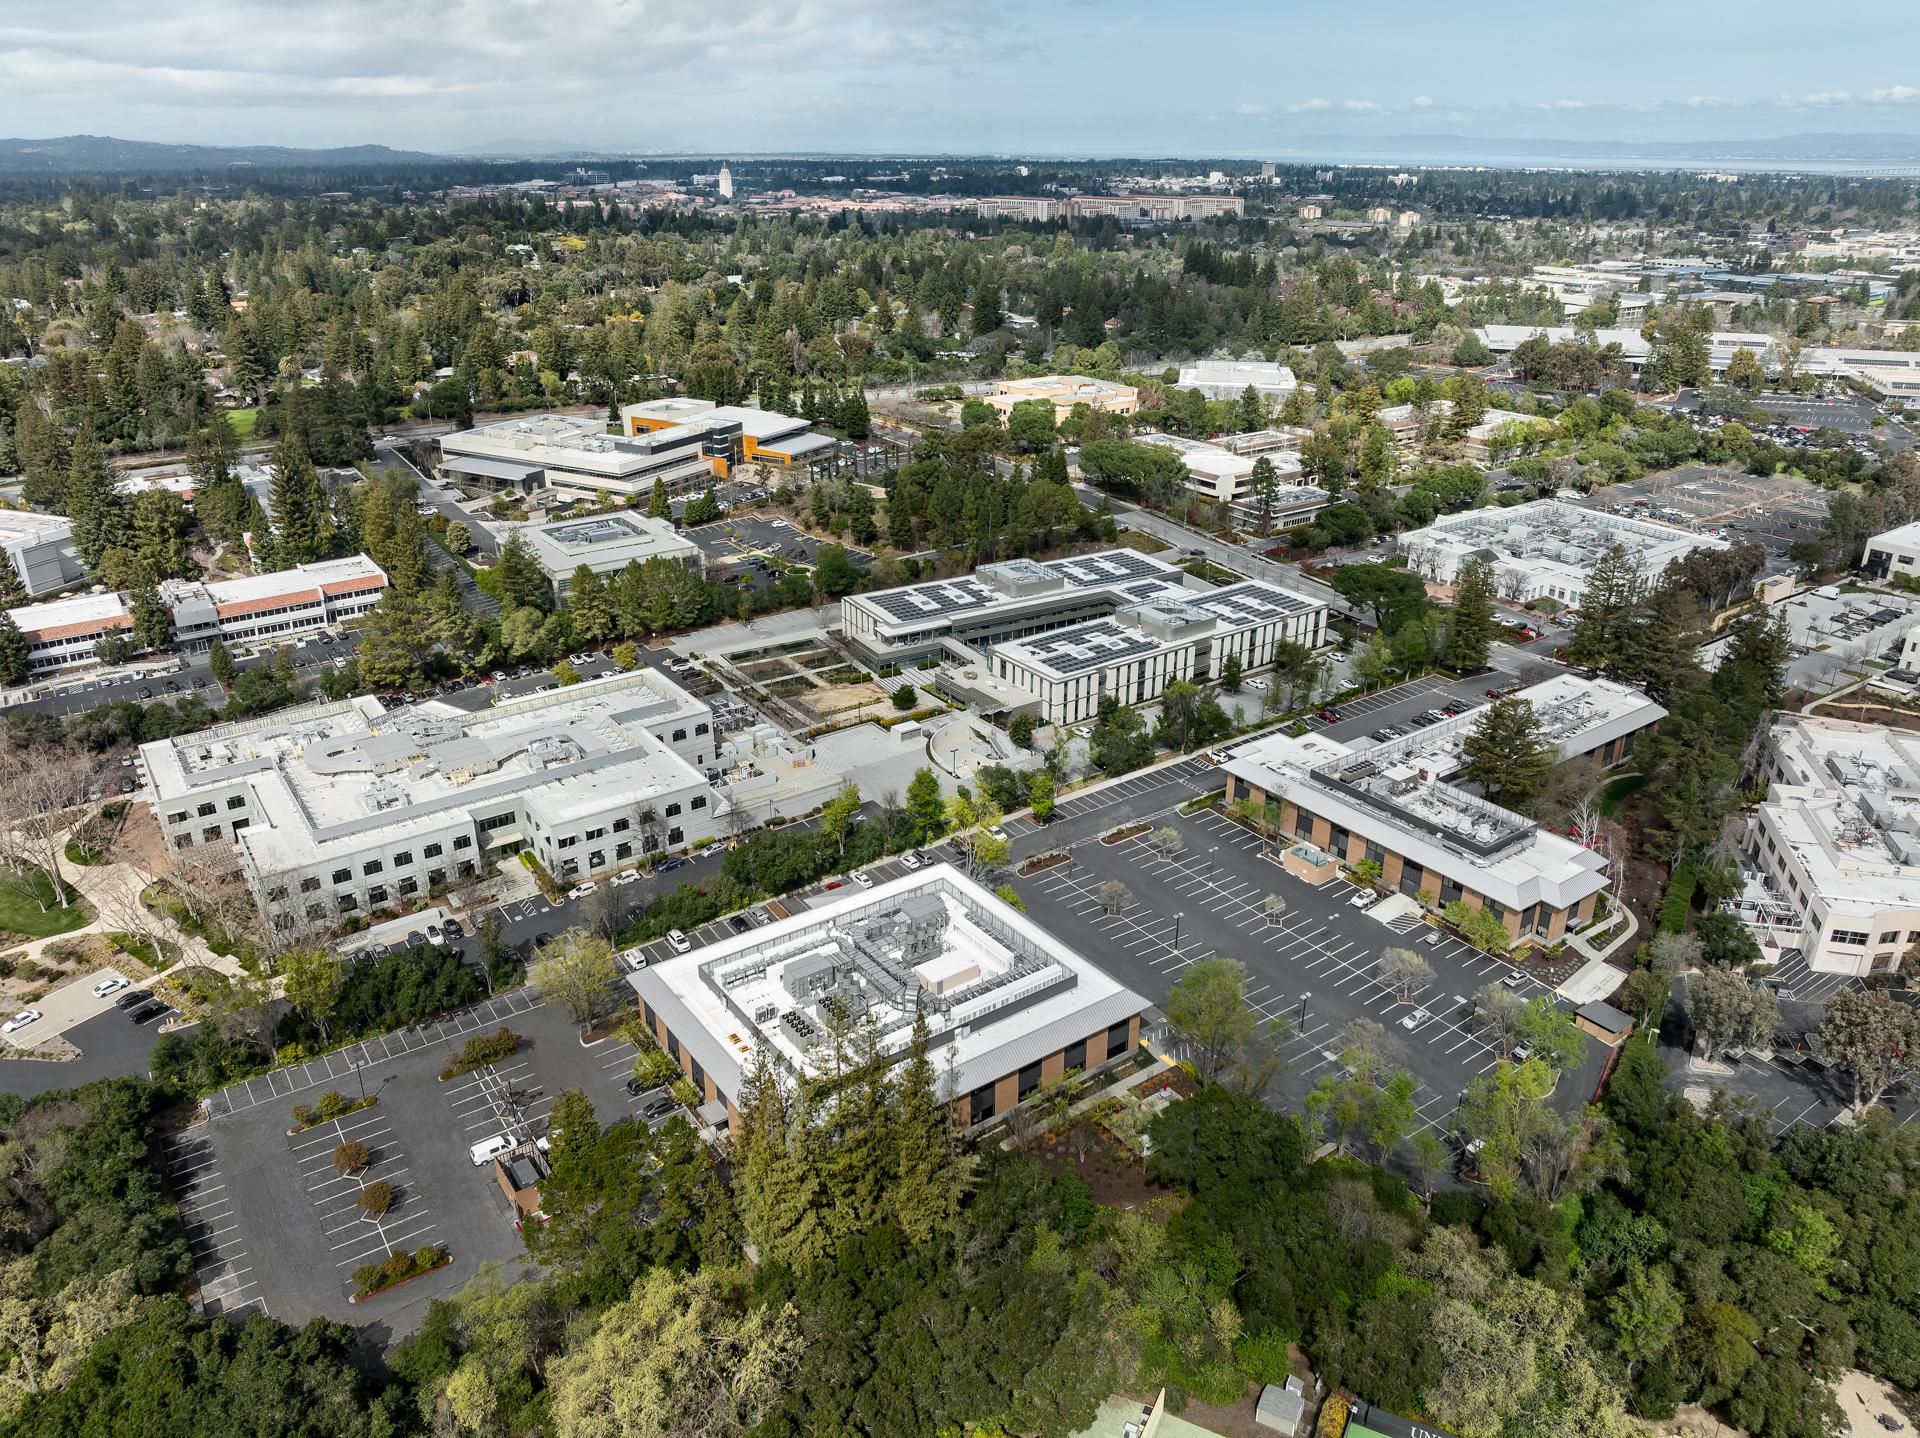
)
(372, 1278)
(481, 1050)
(1674, 908)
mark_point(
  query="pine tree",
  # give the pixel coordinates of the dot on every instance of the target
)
(152, 622)
(592, 609)
(221, 664)
(518, 578)
(302, 527)
(657, 506)
(1506, 754)
(12, 592)
(1470, 634)
(930, 1177)
(91, 503)
(13, 651)
(1601, 636)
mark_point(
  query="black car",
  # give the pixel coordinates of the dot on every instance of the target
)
(132, 998)
(737, 924)
(147, 1013)
(453, 930)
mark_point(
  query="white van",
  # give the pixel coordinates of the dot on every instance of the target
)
(490, 1148)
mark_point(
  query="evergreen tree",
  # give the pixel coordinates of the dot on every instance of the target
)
(303, 528)
(1470, 634)
(657, 505)
(925, 808)
(930, 1178)
(518, 579)
(1506, 754)
(221, 664)
(856, 420)
(92, 505)
(152, 622)
(13, 651)
(12, 592)
(1602, 636)
(590, 605)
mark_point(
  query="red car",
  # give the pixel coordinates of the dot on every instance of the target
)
(1330, 716)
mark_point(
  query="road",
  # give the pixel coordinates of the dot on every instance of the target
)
(189, 675)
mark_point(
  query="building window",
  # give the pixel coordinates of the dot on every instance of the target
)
(377, 894)
(1851, 938)
(672, 809)
(1890, 938)
(597, 859)
(371, 867)
(1117, 1040)
(432, 851)
(678, 735)
(309, 884)
(620, 826)
(409, 885)
(348, 903)
(343, 876)
(210, 834)
(315, 913)
(498, 821)
(700, 728)
(463, 841)
(466, 868)
(699, 801)
(1076, 1054)
(277, 893)
(179, 818)
(676, 836)
(403, 859)
(206, 809)
(623, 851)
(569, 840)
(1029, 1078)
(237, 801)
(239, 824)
(596, 833)
(980, 1106)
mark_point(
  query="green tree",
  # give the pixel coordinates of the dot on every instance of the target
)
(1470, 627)
(458, 538)
(1875, 1039)
(13, 651)
(13, 593)
(1729, 1010)
(222, 665)
(93, 508)
(905, 697)
(658, 506)
(312, 979)
(1230, 674)
(576, 970)
(1121, 742)
(1396, 596)
(395, 644)
(1603, 635)
(926, 810)
(1507, 755)
(303, 529)
(591, 606)
(1218, 1032)
(834, 573)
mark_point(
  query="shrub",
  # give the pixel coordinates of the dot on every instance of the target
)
(903, 698)
(375, 1199)
(333, 1103)
(306, 1115)
(652, 1068)
(349, 1155)
(481, 1050)
(28, 969)
(685, 1094)
(398, 1267)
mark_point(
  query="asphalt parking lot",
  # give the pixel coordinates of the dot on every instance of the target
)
(1396, 707)
(1314, 969)
(272, 1224)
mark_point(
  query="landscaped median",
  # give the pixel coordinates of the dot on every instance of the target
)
(370, 1280)
(331, 1105)
(481, 1050)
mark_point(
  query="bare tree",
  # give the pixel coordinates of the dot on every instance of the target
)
(606, 910)
(1114, 896)
(1405, 972)
(214, 887)
(1275, 908)
(1168, 841)
(49, 791)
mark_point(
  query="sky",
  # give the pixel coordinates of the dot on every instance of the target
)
(1095, 77)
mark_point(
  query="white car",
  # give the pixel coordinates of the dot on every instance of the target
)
(1259, 686)
(863, 878)
(680, 942)
(579, 891)
(20, 1021)
(629, 876)
(1361, 900)
(996, 832)
(436, 936)
(1415, 1019)
(911, 860)
(108, 986)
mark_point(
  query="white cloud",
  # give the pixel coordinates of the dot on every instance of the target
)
(1705, 102)
(1361, 107)
(1249, 108)
(1569, 104)
(1306, 105)
(1892, 95)
(1422, 102)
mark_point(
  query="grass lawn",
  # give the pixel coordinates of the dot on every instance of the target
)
(243, 421)
(21, 895)
(1614, 796)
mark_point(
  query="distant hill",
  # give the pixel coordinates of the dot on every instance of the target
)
(94, 154)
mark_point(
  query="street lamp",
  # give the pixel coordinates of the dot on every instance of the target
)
(1303, 1008)
(1176, 929)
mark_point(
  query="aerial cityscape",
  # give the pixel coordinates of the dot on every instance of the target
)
(1101, 723)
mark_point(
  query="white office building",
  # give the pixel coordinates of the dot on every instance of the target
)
(1832, 860)
(1896, 552)
(62, 633)
(344, 809)
(1148, 644)
(1228, 379)
(605, 543)
(1008, 1006)
(1546, 549)
(1220, 475)
(41, 548)
(262, 608)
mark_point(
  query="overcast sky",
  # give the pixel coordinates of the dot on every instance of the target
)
(1220, 77)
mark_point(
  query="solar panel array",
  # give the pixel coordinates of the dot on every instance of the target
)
(929, 601)
(1088, 646)
(1108, 568)
(1252, 602)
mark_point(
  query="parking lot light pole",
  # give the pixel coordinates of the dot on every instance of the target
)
(1303, 1008)
(360, 1073)
(1176, 929)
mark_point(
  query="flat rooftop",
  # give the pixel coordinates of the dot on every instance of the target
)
(1550, 531)
(1847, 797)
(1013, 582)
(997, 991)
(65, 618)
(18, 524)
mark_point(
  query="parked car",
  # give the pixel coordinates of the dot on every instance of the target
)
(1380, 736)
(1415, 1019)
(132, 999)
(1513, 979)
(680, 943)
(738, 924)
(1328, 716)
(863, 878)
(20, 1020)
(911, 860)
(489, 1148)
(626, 876)
(147, 1013)
(668, 865)
(1361, 899)
(579, 891)
(996, 832)
(108, 986)
(453, 930)
(436, 936)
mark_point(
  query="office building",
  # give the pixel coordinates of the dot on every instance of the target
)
(1222, 476)
(1832, 857)
(343, 809)
(1129, 209)
(63, 632)
(1896, 552)
(605, 543)
(1146, 645)
(264, 607)
(1545, 549)
(1592, 719)
(1008, 1006)
(682, 443)
(1229, 379)
(1427, 836)
(41, 548)
(1065, 391)
(1888, 374)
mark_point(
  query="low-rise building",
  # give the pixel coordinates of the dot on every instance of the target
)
(1229, 379)
(730, 433)
(1148, 644)
(1427, 836)
(1546, 549)
(264, 607)
(41, 549)
(1220, 475)
(1065, 391)
(1832, 856)
(1896, 552)
(338, 810)
(1504, 429)
(1594, 719)
(1008, 1006)
(605, 543)
(63, 632)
